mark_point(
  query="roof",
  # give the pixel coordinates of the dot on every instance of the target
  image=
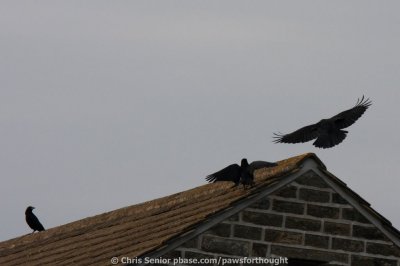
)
(140, 229)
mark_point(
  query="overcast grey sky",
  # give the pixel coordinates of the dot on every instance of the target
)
(105, 104)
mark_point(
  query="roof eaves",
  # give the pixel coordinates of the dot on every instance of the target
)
(362, 206)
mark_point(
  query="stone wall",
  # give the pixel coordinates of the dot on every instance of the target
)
(304, 220)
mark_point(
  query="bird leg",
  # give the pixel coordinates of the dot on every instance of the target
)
(245, 186)
(248, 183)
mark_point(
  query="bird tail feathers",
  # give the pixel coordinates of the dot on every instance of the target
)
(330, 140)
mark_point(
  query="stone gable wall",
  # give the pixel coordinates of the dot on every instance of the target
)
(304, 220)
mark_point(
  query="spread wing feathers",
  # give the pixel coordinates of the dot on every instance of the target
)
(259, 164)
(303, 134)
(349, 117)
(229, 173)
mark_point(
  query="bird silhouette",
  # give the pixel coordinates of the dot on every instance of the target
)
(32, 220)
(327, 132)
(239, 174)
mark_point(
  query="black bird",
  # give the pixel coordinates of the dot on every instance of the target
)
(243, 174)
(327, 132)
(32, 220)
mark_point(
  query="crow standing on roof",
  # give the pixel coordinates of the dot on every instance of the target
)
(327, 132)
(32, 220)
(243, 174)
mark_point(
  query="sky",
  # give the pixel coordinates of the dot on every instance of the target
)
(106, 104)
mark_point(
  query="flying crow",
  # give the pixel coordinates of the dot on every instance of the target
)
(243, 174)
(32, 220)
(327, 132)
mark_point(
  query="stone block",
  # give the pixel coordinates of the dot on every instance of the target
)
(259, 250)
(262, 218)
(247, 232)
(262, 204)
(286, 237)
(371, 233)
(225, 246)
(347, 244)
(383, 249)
(303, 224)
(288, 207)
(287, 192)
(337, 228)
(221, 229)
(317, 241)
(309, 254)
(313, 195)
(336, 198)
(323, 211)
(311, 179)
(353, 215)
(369, 261)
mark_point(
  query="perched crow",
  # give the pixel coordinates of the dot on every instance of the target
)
(327, 132)
(239, 174)
(32, 220)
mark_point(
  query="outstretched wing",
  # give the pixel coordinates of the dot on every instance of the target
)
(260, 164)
(229, 173)
(303, 134)
(349, 117)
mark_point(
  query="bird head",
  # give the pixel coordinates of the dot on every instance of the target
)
(30, 208)
(244, 163)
